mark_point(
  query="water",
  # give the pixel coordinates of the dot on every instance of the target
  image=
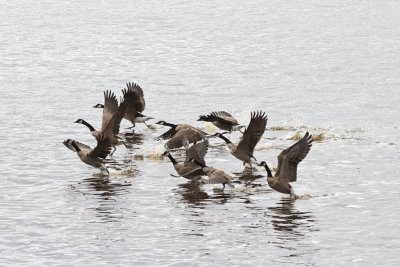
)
(329, 68)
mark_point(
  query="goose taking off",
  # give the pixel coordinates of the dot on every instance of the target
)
(112, 116)
(223, 120)
(216, 176)
(92, 157)
(288, 160)
(251, 136)
(136, 105)
(191, 168)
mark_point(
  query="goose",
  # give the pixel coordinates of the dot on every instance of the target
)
(216, 176)
(223, 120)
(288, 160)
(251, 136)
(136, 105)
(174, 129)
(92, 157)
(191, 168)
(111, 119)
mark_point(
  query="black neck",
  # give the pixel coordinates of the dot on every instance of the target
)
(170, 124)
(268, 170)
(91, 128)
(225, 139)
(172, 159)
(75, 146)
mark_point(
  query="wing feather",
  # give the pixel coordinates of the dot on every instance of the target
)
(197, 152)
(81, 146)
(253, 132)
(221, 117)
(110, 107)
(138, 100)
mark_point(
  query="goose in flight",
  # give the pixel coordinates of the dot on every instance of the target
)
(288, 160)
(223, 120)
(92, 157)
(251, 136)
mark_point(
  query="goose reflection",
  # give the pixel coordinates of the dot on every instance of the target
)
(193, 193)
(288, 222)
(105, 193)
(248, 178)
(134, 138)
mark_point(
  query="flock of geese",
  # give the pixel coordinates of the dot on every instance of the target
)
(193, 140)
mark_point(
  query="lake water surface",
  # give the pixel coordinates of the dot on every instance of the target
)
(330, 68)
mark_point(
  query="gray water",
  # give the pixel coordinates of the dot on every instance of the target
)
(330, 67)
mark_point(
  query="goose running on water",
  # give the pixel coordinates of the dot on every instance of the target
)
(288, 160)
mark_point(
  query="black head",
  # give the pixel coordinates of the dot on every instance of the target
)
(262, 163)
(99, 106)
(166, 153)
(79, 121)
(161, 122)
(219, 134)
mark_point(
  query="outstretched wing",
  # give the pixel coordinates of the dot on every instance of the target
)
(138, 100)
(102, 149)
(197, 152)
(289, 158)
(220, 116)
(110, 107)
(113, 125)
(253, 132)
(81, 146)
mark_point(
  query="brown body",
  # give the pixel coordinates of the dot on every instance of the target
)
(288, 160)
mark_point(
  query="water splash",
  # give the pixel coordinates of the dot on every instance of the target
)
(297, 130)
(152, 153)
